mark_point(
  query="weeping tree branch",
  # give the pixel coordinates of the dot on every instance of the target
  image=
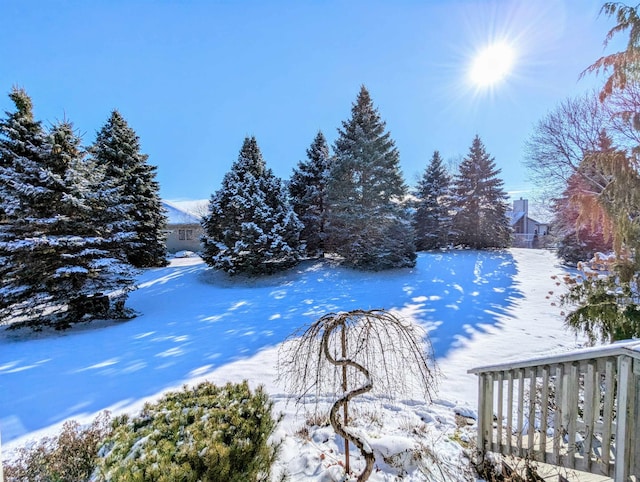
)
(348, 354)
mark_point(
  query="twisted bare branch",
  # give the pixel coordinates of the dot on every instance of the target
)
(385, 355)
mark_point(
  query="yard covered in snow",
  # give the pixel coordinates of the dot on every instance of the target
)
(479, 307)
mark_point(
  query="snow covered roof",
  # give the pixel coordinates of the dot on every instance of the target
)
(177, 215)
(515, 216)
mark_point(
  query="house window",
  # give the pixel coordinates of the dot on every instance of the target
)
(185, 234)
(189, 234)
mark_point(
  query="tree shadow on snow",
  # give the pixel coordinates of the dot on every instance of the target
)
(193, 320)
(459, 293)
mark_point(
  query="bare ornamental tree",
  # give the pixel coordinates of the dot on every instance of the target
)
(348, 354)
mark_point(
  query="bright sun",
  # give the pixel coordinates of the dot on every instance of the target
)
(492, 64)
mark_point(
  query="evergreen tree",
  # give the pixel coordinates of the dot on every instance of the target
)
(308, 192)
(480, 203)
(250, 227)
(141, 217)
(22, 148)
(368, 226)
(432, 220)
(92, 277)
(55, 263)
(22, 139)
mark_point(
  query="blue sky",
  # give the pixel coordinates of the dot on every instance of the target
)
(193, 78)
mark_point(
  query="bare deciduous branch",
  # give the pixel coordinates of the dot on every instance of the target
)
(380, 353)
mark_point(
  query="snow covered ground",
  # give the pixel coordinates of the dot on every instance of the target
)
(195, 324)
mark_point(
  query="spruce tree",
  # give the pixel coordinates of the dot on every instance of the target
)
(480, 203)
(141, 217)
(251, 227)
(432, 219)
(92, 276)
(22, 150)
(22, 141)
(368, 226)
(308, 192)
(57, 266)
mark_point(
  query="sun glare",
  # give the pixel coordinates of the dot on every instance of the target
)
(492, 65)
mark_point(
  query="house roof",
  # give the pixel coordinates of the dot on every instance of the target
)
(177, 215)
(515, 216)
(537, 222)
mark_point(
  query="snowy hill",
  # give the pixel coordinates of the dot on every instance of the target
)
(195, 324)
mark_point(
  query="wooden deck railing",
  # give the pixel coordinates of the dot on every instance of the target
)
(580, 410)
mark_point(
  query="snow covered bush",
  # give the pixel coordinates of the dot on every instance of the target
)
(72, 455)
(204, 433)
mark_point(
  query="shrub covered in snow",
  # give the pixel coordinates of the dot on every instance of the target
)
(185, 254)
(205, 433)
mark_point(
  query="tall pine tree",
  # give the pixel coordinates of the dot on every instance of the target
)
(480, 203)
(22, 140)
(23, 147)
(308, 191)
(55, 265)
(91, 275)
(432, 219)
(251, 227)
(141, 217)
(368, 226)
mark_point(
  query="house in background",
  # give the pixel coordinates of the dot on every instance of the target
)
(527, 232)
(183, 229)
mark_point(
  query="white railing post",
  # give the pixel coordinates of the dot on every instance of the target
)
(481, 422)
(544, 413)
(520, 421)
(635, 450)
(607, 414)
(606, 380)
(488, 407)
(591, 407)
(624, 415)
(531, 416)
(572, 391)
(500, 400)
(509, 429)
(558, 418)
